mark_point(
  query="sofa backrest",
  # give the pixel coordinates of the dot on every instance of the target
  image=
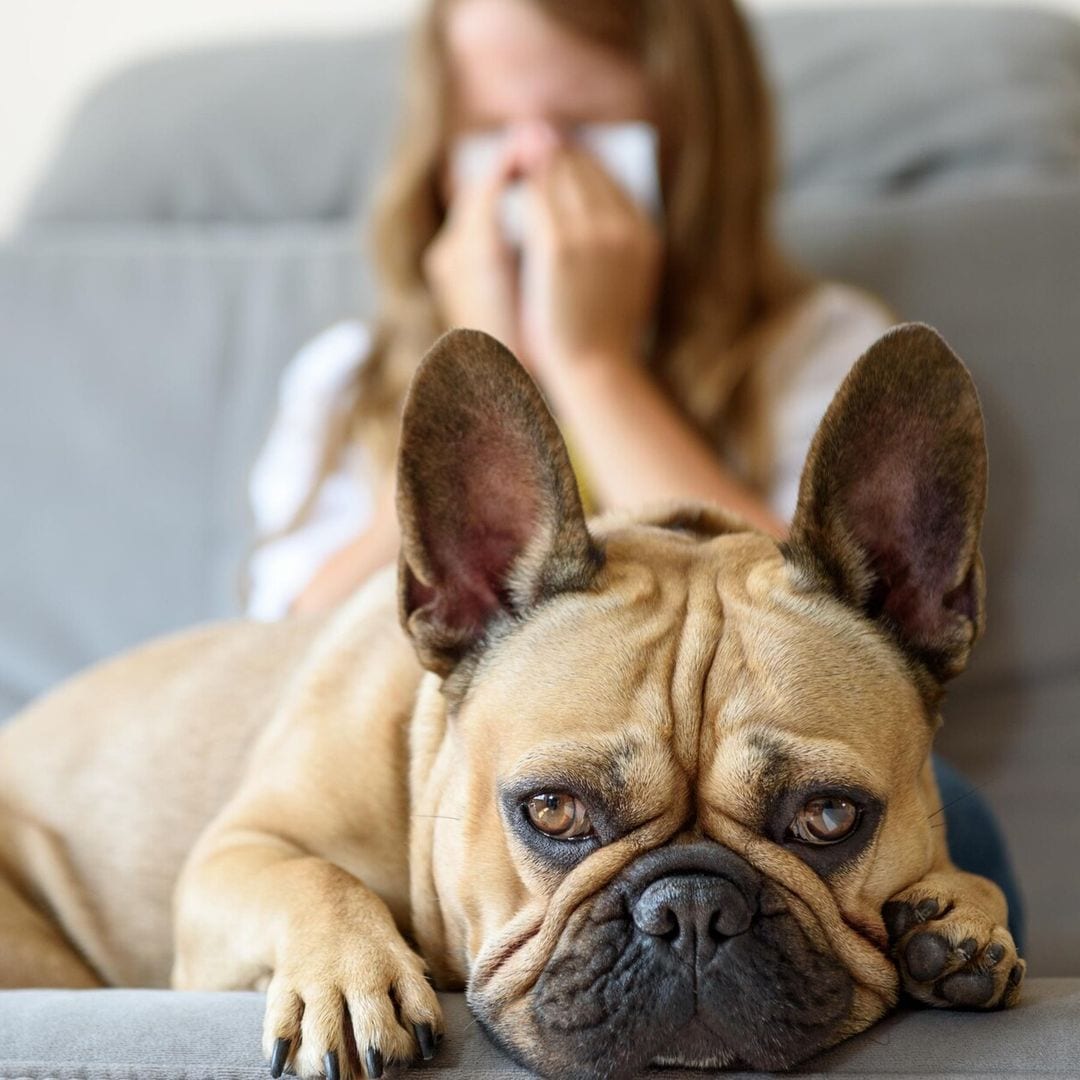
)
(871, 101)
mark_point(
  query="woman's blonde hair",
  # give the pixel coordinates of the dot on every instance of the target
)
(722, 280)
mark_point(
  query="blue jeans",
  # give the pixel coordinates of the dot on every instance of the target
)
(975, 841)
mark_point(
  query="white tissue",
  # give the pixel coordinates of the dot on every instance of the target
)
(627, 151)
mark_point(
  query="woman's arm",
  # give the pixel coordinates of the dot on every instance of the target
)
(638, 448)
(350, 566)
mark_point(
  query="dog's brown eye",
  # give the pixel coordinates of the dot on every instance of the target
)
(559, 814)
(825, 820)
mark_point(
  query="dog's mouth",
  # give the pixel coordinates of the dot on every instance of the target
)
(702, 967)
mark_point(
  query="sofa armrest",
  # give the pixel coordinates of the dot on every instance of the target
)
(165, 1035)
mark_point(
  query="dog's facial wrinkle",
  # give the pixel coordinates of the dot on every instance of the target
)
(772, 765)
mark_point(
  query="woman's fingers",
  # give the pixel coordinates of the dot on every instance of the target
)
(586, 186)
(590, 267)
(477, 203)
(573, 193)
(468, 265)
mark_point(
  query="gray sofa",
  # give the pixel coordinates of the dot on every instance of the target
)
(203, 217)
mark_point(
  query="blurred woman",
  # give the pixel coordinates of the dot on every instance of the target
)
(590, 181)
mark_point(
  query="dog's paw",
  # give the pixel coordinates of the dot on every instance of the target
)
(951, 954)
(349, 1013)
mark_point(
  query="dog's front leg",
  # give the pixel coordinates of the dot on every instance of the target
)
(301, 884)
(343, 987)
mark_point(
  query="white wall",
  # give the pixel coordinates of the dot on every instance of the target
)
(51, 51)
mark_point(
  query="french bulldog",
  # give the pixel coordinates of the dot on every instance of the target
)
(654, 788)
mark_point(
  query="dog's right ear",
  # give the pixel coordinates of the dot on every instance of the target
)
(491, 519)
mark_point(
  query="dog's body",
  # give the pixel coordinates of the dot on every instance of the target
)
(100, 806)
(675, 682)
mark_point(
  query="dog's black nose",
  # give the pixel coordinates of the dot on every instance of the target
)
(693, 913)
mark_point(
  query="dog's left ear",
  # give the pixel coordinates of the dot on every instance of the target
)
(491, 519)
(892, 496)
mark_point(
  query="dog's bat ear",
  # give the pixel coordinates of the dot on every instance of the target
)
(892, 495)
(491, 519)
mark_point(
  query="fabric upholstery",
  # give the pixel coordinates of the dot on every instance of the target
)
(880, 100)
(297, 128)
(162, 1035)
(137, 381)
(293, 129)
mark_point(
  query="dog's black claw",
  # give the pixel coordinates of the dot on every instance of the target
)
(373, 1060)
(994, 953)
(899, 918)
(425, 1039)
(330, 1065)
(278, 1057)
(1016, 975)
(967, 948)
(926, 955)
(927, 909)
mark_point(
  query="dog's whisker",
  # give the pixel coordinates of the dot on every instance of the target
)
(959, 798)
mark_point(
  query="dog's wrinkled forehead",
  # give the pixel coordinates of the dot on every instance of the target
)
(693, 662)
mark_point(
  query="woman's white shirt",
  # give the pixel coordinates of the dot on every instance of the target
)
(800, 374)
(311, 398)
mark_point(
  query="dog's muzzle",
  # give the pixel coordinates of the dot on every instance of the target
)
(691, 957)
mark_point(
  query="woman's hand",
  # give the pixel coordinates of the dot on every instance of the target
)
(591, 267)
(469, 268)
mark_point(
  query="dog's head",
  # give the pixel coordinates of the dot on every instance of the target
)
(667, 771)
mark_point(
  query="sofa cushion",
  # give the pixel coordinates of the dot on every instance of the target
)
(876, 99)
(163, 1035)
(294, 129)
(885, 99)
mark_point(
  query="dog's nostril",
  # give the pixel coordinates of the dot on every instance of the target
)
(658, 920)
(730, 921)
